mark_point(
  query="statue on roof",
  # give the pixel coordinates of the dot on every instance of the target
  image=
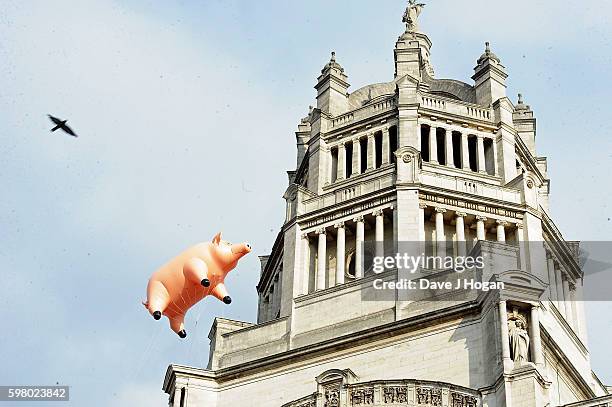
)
(411, 15)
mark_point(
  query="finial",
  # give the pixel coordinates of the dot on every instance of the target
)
(520, 98)
(333, 56)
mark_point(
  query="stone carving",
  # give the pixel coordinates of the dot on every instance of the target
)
(429, 396)
(436, 397)
(332, 398)
(411, 15)
(406, 158)
(423, 395)
(518, 336)
(395, 395)
(463, 400)
(362, 396)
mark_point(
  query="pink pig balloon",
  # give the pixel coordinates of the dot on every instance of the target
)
(191, 276)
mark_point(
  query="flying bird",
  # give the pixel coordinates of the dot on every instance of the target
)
(61, 124)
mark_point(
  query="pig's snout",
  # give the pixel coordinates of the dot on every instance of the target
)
(242, 248)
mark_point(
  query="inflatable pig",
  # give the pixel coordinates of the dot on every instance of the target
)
(191, 276)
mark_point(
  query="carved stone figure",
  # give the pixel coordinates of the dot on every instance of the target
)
(411, 15)
(519, 341)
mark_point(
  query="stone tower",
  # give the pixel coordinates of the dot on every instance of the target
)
(445, 163)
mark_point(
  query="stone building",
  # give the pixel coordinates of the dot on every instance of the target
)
(416, 159)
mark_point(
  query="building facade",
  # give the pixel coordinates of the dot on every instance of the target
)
(417, 159)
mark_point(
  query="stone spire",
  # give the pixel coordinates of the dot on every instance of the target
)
(332, 88)
(489, 77)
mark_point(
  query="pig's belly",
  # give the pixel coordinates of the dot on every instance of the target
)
(189, 296)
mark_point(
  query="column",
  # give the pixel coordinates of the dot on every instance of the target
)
(322, 257)
(505, 340)
(536, 341)
(433, 145)
(523, 249)
(356, 157)
(359, 232)
(448, 139)
(460, 230)
(580, 309)
(329, 166)
(567, 300)
(379, 232)
(494, 147)
(341, 162)
(306, 260)
(559, 282)
(501, 231)
(552, 289)
(385, 146)
(421, 225)
(371, 152)
(465, 152)
(480, 227)
(440, 239)
(340, 252)
(481, 155)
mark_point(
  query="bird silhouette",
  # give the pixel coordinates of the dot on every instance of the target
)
(61, 124)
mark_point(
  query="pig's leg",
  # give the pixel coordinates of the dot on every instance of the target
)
(177, 325)
(221, 293)
(196, 271)
(157, 298)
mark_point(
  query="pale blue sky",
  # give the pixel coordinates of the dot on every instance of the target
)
(187, 112)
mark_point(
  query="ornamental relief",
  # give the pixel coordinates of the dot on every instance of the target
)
(390, 393)
(395, 395)
(363, 396)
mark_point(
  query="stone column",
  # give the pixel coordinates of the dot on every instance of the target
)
(421, 231)
(359, 233)
(328, 166)
(480, 228)
(340, 252)
(501, 231)
(481, 155)
(386, 153)
(552, 284)
(433, 145)
(356, 157)
(371, 153)
(567, 300)
(440, 239)
(465, 152)
(505, 337)
(494, 147)
(322, 257)
(460, 230)
(559, 281)
(523, 249)
(448, 139)
(306, 260)
(340, 171)
(536, 341)
(379, 232)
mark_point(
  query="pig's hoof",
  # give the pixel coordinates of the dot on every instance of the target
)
(206, 282)
(227, 299)
(182, 334)
(157, 315)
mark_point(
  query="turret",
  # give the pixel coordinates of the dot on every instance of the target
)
(489, 77)
(332, 88)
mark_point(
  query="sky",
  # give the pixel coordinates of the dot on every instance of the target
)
(186, 112)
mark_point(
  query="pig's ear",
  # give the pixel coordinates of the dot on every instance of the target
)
(217, 238)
